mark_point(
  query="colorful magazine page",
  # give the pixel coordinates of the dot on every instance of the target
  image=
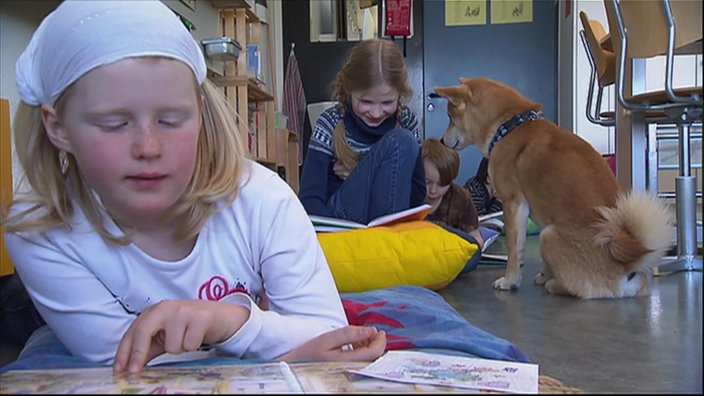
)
(275, 377)
(338, 378)
(455, 371)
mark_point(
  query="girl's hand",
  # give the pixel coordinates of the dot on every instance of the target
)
(176, 326)
(350, 343)
(340, 170)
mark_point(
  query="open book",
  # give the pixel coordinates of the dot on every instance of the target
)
(324, 224)
(493, 220)
(491, 226)
(446, 374)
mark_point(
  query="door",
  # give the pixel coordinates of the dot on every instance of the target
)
(523, 55)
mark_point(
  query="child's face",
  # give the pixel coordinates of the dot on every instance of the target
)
(375, 105)
(434, 191)
(133, 128)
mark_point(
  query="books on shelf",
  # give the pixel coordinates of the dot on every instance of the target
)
(394, 372)
(327, 224)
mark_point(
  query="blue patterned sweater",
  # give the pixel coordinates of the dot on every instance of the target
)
(319, 182)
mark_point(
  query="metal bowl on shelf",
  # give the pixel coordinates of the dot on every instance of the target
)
(221, 48)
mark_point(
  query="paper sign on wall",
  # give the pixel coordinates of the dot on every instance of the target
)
(465, 12)
(511, 11)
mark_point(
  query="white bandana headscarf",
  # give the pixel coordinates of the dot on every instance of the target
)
(82, 35)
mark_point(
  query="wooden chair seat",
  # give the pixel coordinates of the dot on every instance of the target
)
(603, 63)
(660, 98)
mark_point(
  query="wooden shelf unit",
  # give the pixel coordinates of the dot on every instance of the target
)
(254, 91)
(276, 148)
(239, 21)
(240, 88)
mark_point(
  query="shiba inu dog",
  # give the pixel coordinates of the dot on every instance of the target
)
(596, 240)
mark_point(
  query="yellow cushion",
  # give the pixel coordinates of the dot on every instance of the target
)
(413, 253)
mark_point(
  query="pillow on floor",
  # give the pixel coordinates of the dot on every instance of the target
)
(417, 253)
(417, 318)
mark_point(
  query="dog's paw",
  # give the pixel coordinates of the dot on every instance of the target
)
(539, 279)
(506, 284)
(552, 286)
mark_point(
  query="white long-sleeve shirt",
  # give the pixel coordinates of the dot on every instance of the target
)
(262, 247)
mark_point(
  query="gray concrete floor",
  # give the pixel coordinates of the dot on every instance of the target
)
(638, 345)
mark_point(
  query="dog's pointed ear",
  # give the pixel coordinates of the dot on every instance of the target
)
(464, 80)
(455, 95)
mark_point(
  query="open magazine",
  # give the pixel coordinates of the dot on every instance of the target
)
(497, 250)
(491, 226)
(454, 371)
(493, 220)
(489, 236)
(326, 224)
(451, 374)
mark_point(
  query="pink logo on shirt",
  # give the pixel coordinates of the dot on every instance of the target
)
(217, 288)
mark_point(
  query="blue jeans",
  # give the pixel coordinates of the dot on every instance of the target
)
(18, 317)
(380, 184)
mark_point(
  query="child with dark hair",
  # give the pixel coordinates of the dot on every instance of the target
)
(452, 204)
(482, 191)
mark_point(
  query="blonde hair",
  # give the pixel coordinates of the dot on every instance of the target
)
(444, 158)
(372, 62)
(53, 175)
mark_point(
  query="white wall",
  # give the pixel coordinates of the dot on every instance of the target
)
(574, 83)
(565, 68)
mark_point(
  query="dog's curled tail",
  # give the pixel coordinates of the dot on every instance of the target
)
(637, 231)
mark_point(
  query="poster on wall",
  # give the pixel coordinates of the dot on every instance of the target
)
(398, 18)
(190, 4)
(511, 11)
(465, 12)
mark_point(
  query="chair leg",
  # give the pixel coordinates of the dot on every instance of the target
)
(688, 259)
(653, 159)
